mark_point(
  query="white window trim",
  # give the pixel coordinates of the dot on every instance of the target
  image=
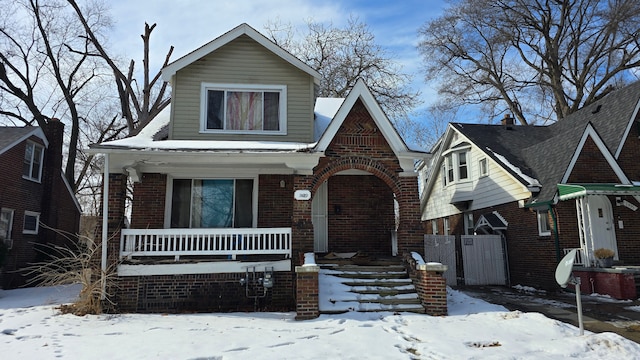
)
(540, 220)
(169, 195)
(10, 225)
(455, 167)
(37, 216)
(282, 89)
(30, 178)
(486, 162)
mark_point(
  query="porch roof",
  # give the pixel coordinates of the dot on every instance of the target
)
(572, 191)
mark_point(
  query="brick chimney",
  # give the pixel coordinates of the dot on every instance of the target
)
(51, 178)
(507, 121)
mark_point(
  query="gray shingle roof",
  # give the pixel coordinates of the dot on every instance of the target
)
(10, 134)
(544, 152)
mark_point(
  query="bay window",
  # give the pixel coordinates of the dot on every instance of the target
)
(212, 203)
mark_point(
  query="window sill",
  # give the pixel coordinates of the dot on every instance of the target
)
(239, 132)
(37, 181)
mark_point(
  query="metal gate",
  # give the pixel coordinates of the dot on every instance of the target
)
(442, 249)
(484, 260)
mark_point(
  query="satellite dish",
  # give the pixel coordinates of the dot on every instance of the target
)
(563, 271)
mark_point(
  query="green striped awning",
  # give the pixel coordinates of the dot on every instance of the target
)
(572, 191)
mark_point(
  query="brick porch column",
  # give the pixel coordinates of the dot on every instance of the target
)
(301, 225)
(432, 288)
(410, 229)
(307, 301)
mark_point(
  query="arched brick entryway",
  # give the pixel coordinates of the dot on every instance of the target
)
(405, 190)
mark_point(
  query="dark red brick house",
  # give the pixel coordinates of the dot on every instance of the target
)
(573, 184)
(34, 198)
(245, 172)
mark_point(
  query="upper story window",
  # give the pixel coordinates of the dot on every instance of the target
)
(455, 167)
(243, 108)
(483, 167)
(32, 165)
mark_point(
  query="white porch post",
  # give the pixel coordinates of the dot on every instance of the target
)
(105, 226)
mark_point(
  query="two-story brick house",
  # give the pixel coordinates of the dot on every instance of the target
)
(34, 193)
(573, 184)
(243, 174)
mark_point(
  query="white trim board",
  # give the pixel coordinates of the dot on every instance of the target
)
(219, 267)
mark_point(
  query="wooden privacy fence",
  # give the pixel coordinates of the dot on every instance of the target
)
(484, 260)
(442, 249)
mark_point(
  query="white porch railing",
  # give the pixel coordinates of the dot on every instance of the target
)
(203, 242)
(579, 260)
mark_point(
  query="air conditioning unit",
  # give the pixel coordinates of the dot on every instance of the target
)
(9, 243)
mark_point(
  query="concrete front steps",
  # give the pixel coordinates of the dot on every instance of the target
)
(366, 288)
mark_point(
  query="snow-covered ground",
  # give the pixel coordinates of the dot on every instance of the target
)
(32, 328)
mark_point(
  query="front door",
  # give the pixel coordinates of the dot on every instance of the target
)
(319, 219)
(602, 225)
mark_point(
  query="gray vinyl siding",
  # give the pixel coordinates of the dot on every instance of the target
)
(242, 61)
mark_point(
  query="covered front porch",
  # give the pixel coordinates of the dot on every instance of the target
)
(606, 215)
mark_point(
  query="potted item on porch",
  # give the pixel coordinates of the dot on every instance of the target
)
(604, 257)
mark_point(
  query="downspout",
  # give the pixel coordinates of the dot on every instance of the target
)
(105, 227)
(555, 232)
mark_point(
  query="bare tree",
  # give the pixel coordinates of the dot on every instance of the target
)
(45, 69)
(539, 60)
(139, 104)
(342, 56)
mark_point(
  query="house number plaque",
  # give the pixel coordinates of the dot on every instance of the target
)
(302, 195)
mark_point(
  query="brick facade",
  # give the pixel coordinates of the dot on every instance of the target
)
(50, 198)
(201, 292)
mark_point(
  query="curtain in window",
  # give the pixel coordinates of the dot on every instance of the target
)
(216, 203)
(244, 110)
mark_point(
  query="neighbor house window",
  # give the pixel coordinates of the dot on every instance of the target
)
(483, 167)
(6, 223)
(31, 222)
(434, 227)
(32, 165)
(212, 203)
(469, 228)
(462, 165)
(445, 225)
(455, 167)
(243, 109)
(544, 228)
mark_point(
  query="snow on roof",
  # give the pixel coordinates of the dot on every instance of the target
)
(325, 110)
(144, 140)
(531, 181)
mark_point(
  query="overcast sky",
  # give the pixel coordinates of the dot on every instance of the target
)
(188, 24)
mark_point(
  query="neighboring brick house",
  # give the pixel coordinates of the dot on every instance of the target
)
(547, 189)
(34, 198)
(243, 174)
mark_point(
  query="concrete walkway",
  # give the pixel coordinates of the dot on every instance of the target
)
(599, 314)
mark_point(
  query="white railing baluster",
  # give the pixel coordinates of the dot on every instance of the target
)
(203, 242)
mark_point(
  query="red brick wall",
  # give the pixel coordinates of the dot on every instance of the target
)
(592, 167)
(148, 205)
(274, 201)
(628, 158)
(361, 215)
(200, 293)
(627, 237)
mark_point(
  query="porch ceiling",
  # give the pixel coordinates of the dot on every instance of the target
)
(572, 191)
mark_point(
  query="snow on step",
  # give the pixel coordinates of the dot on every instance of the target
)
(366, 288)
